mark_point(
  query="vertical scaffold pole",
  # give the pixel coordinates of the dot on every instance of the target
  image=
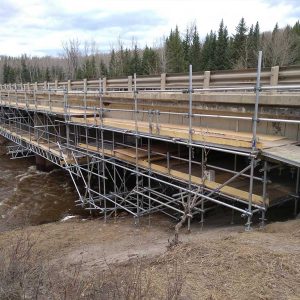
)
(149, 180)
(190, 141)
(84, 98)
(136, 150)
(115, 176)
(297, 192)
(102, 145)
(254, 139)
(100, 100)
(265, 181)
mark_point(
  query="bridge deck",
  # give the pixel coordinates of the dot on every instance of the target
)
(50, 146)
(289, 154)
(57, 110)
(273, 146)
(199, 134)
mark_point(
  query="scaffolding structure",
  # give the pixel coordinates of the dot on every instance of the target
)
(141, 165)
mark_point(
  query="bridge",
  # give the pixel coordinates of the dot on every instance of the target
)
(178, 144)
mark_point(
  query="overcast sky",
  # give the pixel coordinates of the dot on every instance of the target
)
(38, 27)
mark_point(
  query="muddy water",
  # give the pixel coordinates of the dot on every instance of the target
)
(31, 197)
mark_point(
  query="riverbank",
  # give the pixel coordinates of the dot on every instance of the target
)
(90, 259)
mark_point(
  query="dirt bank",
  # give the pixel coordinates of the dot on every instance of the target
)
(216, 263)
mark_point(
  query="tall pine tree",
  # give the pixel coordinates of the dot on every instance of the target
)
(103, 69)
(112, 70)
(208, 61)
(253, 45)
(239, 47)
(186, 43)
(195, 51)
(175, 53)
(150, 61)
(296, 32)
(136, 63)
(25, 74)
(222, 61)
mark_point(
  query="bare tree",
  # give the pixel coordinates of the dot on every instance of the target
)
(191, 202)
(160, 47)
(280, 47)
(72, 53)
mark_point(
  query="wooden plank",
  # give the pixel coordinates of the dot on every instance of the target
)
(231, 191)
(27, 139)
(211, 135)
(289, 154)
(54, 109)
(165, 130)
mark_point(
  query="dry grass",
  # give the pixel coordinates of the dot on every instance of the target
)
(25, 276)
(20, 272)
(214, 264)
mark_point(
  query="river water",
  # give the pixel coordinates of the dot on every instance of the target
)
(31, 197)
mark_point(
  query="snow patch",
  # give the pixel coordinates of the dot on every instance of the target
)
(67, 218)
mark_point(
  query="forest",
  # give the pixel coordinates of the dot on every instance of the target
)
(217, 51)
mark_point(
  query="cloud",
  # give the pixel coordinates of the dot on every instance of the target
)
(39, 27)
(8, 11)
(285, 2)
(95, 21)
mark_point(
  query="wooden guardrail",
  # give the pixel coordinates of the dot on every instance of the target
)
(207, 79)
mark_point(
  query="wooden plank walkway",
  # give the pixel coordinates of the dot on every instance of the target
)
(200, 134)
(126, 155)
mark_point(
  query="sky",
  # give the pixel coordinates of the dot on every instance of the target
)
(39, 27)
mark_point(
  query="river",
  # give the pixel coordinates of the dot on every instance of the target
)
(31, 197)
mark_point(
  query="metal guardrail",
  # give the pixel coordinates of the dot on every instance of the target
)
(201, 80)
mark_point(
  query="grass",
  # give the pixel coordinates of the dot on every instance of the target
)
(24, 276)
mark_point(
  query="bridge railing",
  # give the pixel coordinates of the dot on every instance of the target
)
(202, 80)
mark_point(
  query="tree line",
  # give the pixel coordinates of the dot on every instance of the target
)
(218, 51)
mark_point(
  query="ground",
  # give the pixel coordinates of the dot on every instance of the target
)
(217, 262)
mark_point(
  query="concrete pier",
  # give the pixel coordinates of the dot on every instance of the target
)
(43, 164)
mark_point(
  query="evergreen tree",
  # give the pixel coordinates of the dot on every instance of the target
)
(136, 63)
(256, 36)
(93, 68)
(240, 43)
(25, 74)
(127, 62)
(186, 43)
(35, 74)
(150, 61)
(296, 28)
(89, 68)
(103, 69)
(222, 61)
(86, 68)
(175, 53)
(12, 75)
(47, 75)
(275, 30)
(80, 73)
(120, 62)
(296, 33)
(112, 70)
(208, 61)
(195, 51)
(6, 73)
(253, 46)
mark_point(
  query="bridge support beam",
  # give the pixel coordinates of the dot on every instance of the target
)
(43, 164)
(3, 144)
